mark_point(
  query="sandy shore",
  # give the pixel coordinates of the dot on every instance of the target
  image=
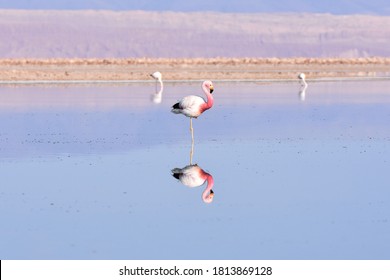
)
(190, 69)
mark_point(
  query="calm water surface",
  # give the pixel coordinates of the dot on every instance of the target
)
(86, 173)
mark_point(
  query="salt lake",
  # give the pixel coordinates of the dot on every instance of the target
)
(86, 172)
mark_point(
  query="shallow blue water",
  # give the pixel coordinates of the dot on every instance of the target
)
(86, 173)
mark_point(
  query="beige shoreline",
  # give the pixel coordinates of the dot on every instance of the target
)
(190, 68)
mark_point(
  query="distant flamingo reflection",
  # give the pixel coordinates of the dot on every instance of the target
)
(157, 96)
(302, 92)
(194, 176)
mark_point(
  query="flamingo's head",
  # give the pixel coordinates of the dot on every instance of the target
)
(209, 197)
(208, 85)
(156, 75)
(301, 76)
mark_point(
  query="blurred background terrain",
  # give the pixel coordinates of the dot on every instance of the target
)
(120, 29)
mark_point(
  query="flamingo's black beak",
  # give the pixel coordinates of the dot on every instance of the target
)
(211, 89)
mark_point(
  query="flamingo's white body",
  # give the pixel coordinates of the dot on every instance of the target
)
(157, 97)
(194, 176)
(193, 106)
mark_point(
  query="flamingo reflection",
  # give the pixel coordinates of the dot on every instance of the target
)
(157, 96)
(194, 176)
(302, 92)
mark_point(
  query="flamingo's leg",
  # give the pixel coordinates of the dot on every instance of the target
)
(192, 141)
(192, 130)
(191, 152)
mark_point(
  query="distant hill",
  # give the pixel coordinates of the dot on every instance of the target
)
(117, 34)
(377, 7)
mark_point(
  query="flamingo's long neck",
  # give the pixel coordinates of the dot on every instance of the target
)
(210, 99)
(161, 85)
(206, 192)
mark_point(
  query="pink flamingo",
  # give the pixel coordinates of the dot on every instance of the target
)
(194, 176)
(193, 106)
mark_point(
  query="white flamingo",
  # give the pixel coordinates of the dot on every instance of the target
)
(193, 106)
(157, 97)
(302, 91)
(302, 77)
(194, 176)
